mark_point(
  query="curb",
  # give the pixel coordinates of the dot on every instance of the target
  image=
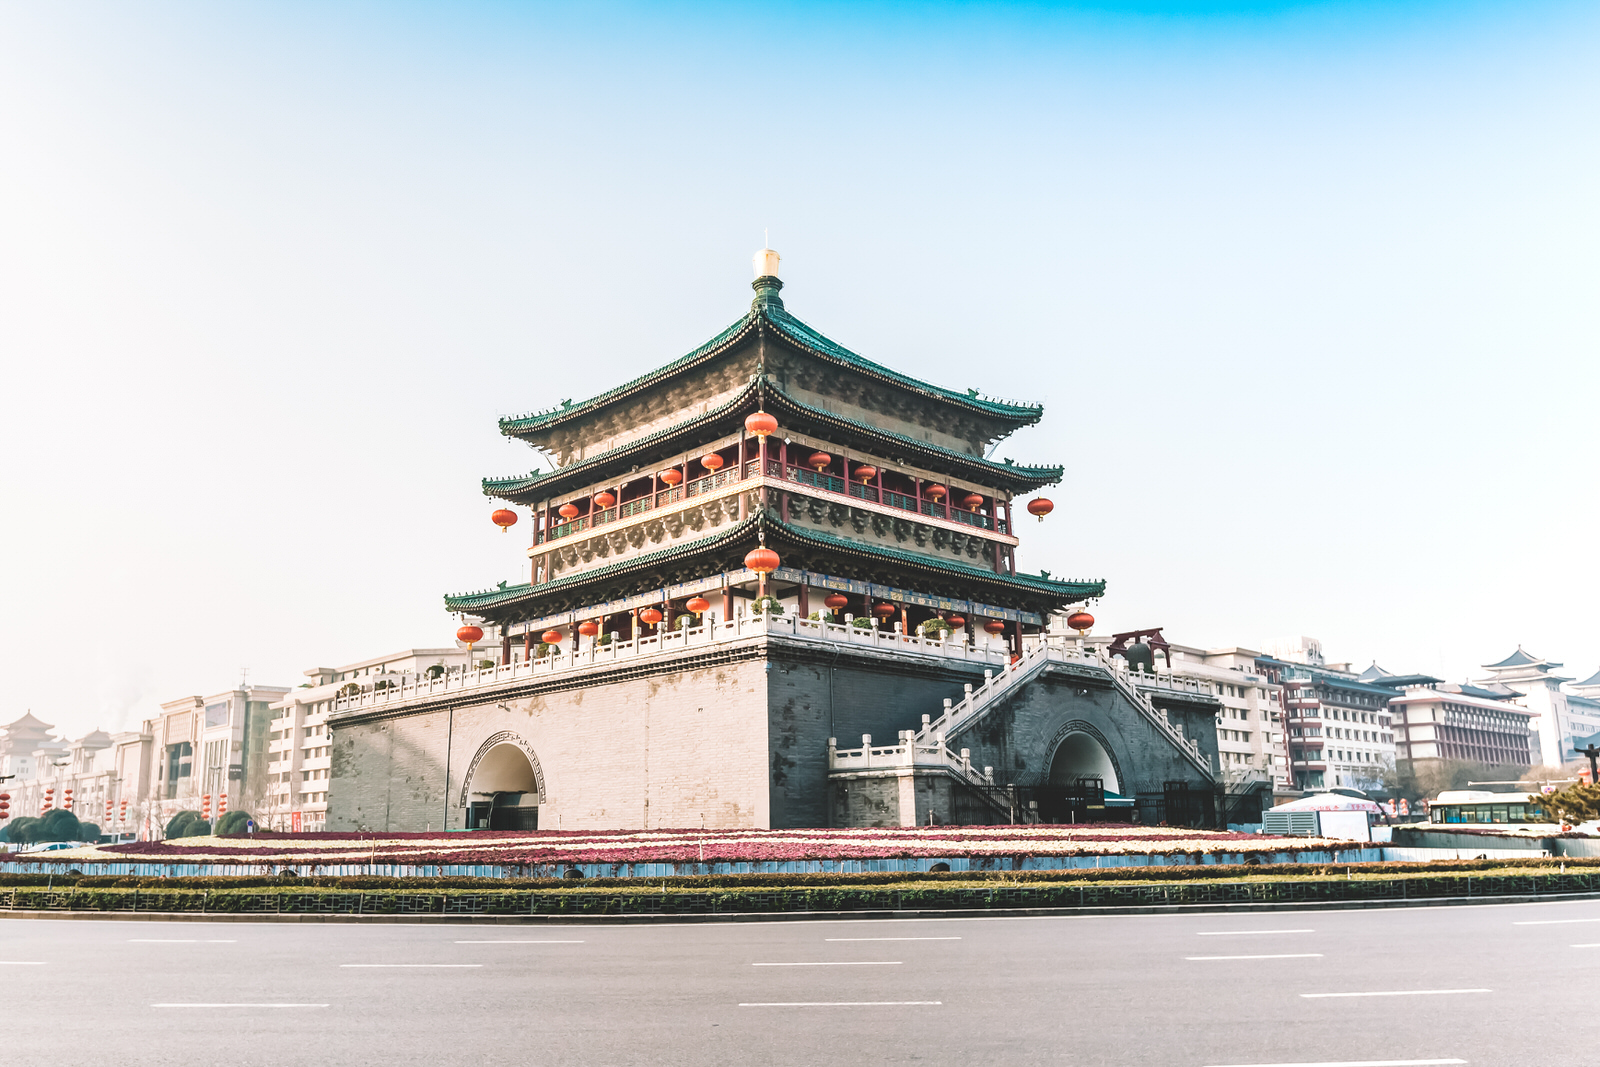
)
(646, 919)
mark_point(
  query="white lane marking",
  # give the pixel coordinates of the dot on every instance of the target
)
(834, 963)
(512, 942)
(1240, 933)
(1345, 1063)
(182, 941)
(1552, 922)
(238, 1005)
(1397, 993)
(891, 939)
(411, 965)
(840, 1003)
(1271, 956)
(21, 963)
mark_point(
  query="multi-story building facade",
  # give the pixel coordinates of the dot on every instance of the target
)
(1250, 732)
(211, 748)
(1338, 728)
(1434, 720)
(299, 762)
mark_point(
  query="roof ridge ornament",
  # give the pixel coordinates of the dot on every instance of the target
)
(767, 283)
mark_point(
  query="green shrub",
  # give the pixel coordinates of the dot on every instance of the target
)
(187, 824)
(234, 822)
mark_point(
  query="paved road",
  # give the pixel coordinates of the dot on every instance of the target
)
(1513, 986)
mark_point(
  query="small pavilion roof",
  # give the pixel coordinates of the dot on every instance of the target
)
(537, 485)
(771, 313)
(1590, 682)
(1519, 658)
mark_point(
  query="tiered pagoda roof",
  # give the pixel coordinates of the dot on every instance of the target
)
(858, 415)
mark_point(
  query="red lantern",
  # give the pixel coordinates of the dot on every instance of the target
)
(505, 518)
(1041, 507)
(818, 461)
(470, 634)
(5, 796)
(995, 626)
(650, 615)
(958, 621)
(589, 628)
(972, 501)
(222, 803)
(836, 601)
(761, 424)
(866, 473)
(49, 792)
(568, 511)
(883, 611)
(552, 637)
(698, 605)
(604, 499)
(762, 560)
(934, 492)
(712, 463)
(1080, 621)
(672, 476)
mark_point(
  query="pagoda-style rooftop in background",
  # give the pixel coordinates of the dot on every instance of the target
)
(874, 490)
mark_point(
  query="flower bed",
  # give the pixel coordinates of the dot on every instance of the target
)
(697, 846)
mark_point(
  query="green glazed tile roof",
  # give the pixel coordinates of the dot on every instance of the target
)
(1064, 591)
(797, 333)
(491, 598)
(1073, 590)
(519, 489)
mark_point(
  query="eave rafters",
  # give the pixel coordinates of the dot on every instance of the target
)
(530, 488)
(823, 553)
(803, 337)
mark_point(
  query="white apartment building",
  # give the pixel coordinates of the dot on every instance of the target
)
(209, 747)
(1559, 716)
(299, 747)
(1339, 730)
(1250, 738)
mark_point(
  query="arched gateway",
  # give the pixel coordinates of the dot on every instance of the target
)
(503, 786)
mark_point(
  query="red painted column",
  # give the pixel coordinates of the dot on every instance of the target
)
(505, 645)
(805, 599)
(527, 647)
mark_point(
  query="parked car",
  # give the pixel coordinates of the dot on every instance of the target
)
(55, 846)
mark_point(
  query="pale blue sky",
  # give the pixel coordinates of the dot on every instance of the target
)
(1308, 292)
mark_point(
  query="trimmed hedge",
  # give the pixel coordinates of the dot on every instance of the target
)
(950, 892)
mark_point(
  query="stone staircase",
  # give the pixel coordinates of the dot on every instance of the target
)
(959, 717)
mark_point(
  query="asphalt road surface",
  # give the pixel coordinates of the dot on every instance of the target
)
(1513, 986)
